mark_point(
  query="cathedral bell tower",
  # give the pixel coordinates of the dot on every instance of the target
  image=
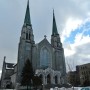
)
(27, 32)
(26, 43)
(58, 49)
(55, 39)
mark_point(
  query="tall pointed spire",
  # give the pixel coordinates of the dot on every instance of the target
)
(54, 27)
(27, 20)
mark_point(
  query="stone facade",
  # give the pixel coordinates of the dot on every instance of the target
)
(73, 78)
(43, 56)
(80, 76)
(49, 76)
(7, 71)
(47, 58)
(84, 73)
(13, 77)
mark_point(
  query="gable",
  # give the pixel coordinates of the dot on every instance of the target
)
(44, 42)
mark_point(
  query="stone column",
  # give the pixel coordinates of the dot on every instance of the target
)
(58, 79)
(52, 79)
(44, 80)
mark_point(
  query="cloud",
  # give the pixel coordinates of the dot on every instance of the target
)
(80, 39)
(78, 52)
(70, 26)
(68, 13)
(68, 50)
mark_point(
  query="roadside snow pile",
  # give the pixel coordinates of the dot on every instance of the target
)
(75, 88)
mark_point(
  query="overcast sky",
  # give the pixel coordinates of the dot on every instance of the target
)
(73, 23)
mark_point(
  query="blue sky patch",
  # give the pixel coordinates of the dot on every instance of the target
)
(85, 29)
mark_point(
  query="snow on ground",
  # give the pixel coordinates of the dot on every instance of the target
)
(75, 88)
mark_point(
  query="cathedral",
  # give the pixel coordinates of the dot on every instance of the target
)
(47, 59)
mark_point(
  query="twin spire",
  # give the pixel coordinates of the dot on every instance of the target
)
(27, 20)
(54, 26)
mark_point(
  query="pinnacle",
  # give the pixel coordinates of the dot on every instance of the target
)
(54, 29)
(27, 20)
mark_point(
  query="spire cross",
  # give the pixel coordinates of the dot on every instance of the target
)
(45, 36)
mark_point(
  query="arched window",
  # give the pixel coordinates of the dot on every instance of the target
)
(56, 80)
(45, 57)
(41, 77)
(48, 79)
(27, 36)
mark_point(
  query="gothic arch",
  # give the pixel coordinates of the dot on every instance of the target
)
(56, 79)
(41, 77)
(45, 57)
(28, 35)
(48, 79)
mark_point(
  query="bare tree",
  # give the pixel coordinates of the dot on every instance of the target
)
(71, 67)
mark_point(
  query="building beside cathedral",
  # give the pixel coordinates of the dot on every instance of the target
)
(47, 59)
(7, 71)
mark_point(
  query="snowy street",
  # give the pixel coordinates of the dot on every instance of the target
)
(75, 88)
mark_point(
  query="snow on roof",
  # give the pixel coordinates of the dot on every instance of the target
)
(10, 65)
